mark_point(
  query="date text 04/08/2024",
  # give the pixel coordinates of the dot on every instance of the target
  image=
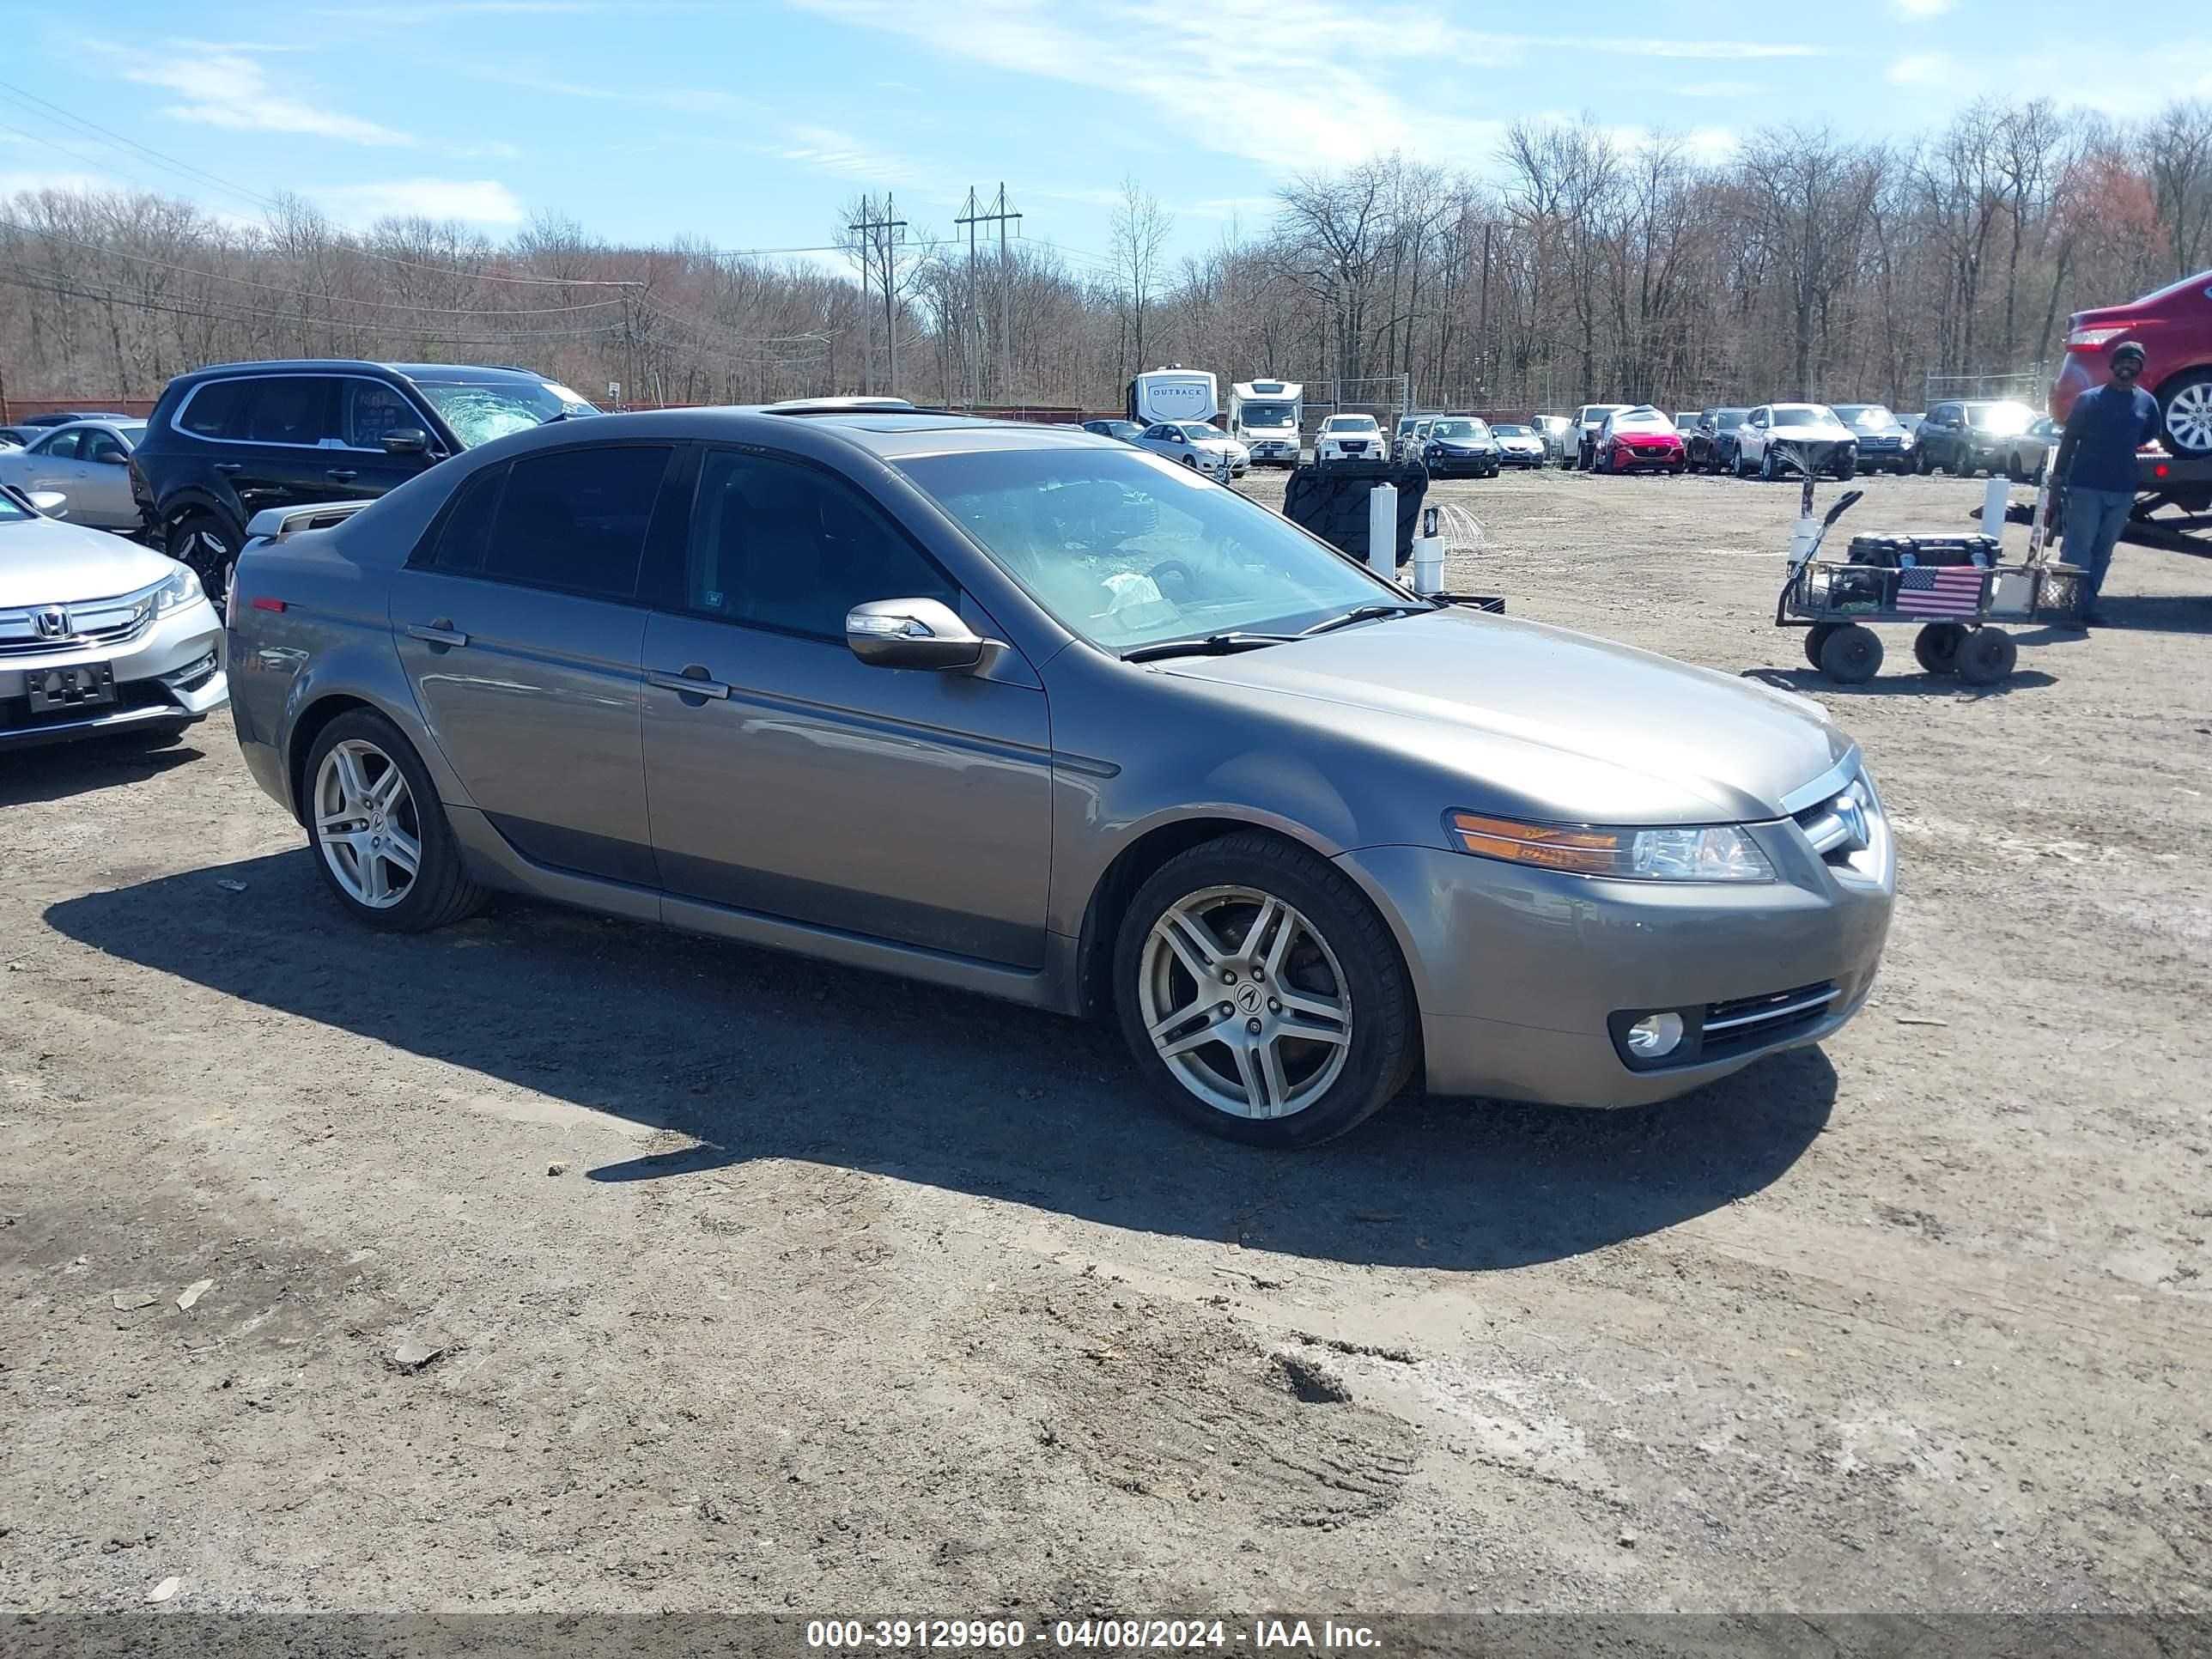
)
(1008, 1635)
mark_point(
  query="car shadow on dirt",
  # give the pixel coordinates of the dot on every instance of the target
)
(1812, 683)
(755, 1054)
(61, 770)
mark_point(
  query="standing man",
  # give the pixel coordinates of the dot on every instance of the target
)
(2096, 466)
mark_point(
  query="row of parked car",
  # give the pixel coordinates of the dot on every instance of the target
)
(1963, 438)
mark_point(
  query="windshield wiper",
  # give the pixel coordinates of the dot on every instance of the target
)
(1213, 645)
(1369, 613)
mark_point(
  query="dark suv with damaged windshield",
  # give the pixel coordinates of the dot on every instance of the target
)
(234, 440)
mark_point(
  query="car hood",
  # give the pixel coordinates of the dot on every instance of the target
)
(1547, 721)
(48, 561)
(1355, 437)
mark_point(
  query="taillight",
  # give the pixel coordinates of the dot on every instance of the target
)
(2089, 339)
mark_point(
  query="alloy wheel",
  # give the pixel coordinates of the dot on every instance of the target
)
(367, 824)
(1245, 1002)
(2189, 417)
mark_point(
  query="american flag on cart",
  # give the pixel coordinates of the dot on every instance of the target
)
(1949, 590)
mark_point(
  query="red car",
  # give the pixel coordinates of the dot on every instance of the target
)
(2173, 326)
(1638, 437)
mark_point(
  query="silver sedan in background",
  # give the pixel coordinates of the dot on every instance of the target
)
(97, 637)
(1026, 711)
(88, 461)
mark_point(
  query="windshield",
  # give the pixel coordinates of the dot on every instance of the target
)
(1350, 424)
(1871, 416)
(1465, 431)
(1512, 432)
(12, 511)
(1642, 420)
(2004, 420)
(1267, 414)
(478, 413)
(1729, 419)
(1199, 432)
(1128, 549)
(1802, 415)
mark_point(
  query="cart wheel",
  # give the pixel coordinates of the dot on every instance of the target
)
(1851, 655)
(1937, 647)
(1816, 637)
(1986, 656)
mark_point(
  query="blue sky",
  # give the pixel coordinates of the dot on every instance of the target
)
(745, 124)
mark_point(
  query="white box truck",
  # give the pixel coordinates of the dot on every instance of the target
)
(1174, 393)
(1264, 417)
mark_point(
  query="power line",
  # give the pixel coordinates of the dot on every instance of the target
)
(299, 293)
(38, 282)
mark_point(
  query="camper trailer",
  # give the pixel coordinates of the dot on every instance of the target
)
(1174, 393)
(1263, 416)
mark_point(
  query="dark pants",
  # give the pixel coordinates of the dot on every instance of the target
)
(2095, 518)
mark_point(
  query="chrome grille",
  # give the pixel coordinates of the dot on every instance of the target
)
(88, 623)
(1748, 1022)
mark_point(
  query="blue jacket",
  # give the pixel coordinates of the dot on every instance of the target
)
(2106, 426)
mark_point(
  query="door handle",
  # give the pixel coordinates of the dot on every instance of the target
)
(440, 632)
(693, 682)
(230, 467)
(344, 474)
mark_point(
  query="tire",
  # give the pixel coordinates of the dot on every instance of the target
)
(1986, 656)
(2184, 414)
(439, 891)
(1936, 646)
(210, 544)
(1921, 464)
(1851, 655)
(1816, 638)
(1767, 465)
(1341, 954)
(1847, 472)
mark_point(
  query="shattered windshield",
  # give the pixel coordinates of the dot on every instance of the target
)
(479, 412)
(1128, 549)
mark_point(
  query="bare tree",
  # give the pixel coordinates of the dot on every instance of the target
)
(1141, 229)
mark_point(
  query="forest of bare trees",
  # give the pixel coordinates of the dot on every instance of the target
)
(1572, 266)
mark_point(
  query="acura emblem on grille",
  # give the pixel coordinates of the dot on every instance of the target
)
(52, 622)
(1852, 816)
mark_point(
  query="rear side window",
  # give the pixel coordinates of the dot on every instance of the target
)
(466, 532)
(62, 448)
(292, 409)
(217, 410)
(577, 519)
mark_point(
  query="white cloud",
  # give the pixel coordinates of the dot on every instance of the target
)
(833, 151)
(13, 184)
(1717, 89)
(477, 201)
(1925, 69)
(230, 89)
(1921, 11)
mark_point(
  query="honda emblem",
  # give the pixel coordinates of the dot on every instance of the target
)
(53, 623)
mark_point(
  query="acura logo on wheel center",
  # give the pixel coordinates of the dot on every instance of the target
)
(1248, 1000)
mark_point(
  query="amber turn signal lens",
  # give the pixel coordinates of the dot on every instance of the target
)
(1550, 846)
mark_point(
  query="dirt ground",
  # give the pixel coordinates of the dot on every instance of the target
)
(741, 1282)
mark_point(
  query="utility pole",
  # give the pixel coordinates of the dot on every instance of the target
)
(879, 231)
(969, 351)
(998, 215)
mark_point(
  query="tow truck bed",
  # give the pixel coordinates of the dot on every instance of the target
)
(2172, 509)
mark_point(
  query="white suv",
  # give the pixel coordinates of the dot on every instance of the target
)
(97, 634)
(1350, 438)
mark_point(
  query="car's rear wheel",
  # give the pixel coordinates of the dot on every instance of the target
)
(2185, 409)
(209, 545)
(380, 837)
(1261, 995)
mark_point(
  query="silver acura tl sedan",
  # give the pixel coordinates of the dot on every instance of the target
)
(98, 636)
(1028, 712)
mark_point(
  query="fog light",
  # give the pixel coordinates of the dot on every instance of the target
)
(1655, 1037)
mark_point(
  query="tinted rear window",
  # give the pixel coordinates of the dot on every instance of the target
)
(577, 519)
(467, 530)
(217, 410)
(293, 409)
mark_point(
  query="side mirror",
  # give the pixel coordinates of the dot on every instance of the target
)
(51, 503)
(406, 440)
(113, 458)
(911, 634)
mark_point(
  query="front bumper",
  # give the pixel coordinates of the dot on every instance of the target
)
(1281, 451)
(1476, 463)
(170, 676)
(1520, 972)
(1628, 459)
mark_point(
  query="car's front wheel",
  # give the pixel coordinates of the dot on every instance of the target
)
(380, 835)
(209, 546)
(1262, 996)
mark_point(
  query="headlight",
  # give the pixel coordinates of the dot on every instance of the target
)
(1698, 853)
(174, 594)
